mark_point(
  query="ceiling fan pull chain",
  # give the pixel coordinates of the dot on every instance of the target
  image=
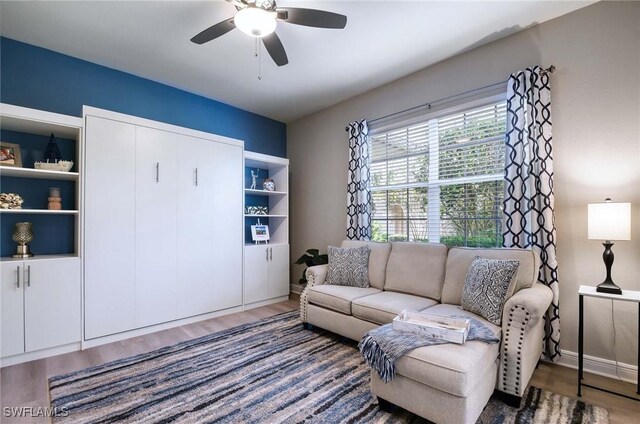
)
(259, 56)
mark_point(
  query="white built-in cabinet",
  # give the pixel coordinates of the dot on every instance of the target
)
(267, 272)
(109, 227)
(40, 296)
(266, 266)
(40, 304)
(156, 191)
(163, 221)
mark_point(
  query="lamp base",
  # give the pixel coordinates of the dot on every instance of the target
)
(608, 287)
(23, 251)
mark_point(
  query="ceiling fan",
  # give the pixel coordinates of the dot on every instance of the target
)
(258, 19)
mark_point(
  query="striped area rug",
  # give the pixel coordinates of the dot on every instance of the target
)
(270, 371)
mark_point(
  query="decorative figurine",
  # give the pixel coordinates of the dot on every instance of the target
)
(254, 178)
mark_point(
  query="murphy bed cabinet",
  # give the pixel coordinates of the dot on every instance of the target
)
(40, 296)
(163, 223)
(266, 266)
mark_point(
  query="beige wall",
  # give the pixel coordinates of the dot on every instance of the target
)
(596, 132)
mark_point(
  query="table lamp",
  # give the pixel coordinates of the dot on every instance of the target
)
(609, 221)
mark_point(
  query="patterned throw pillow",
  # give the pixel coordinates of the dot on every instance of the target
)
(487, 285)
(348, 267)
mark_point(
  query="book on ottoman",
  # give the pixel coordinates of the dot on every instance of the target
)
(434, 326)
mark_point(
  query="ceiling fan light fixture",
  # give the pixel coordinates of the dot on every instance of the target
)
(255, 22)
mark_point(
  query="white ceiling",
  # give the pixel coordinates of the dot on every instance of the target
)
(383, 41)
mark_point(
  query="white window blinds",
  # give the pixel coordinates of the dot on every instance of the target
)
(441, 180)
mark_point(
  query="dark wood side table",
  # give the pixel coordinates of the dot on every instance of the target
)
(626, 296)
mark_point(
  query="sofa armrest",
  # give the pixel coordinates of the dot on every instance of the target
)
(522, 337)
(316, 275)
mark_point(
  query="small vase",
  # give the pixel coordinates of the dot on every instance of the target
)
(23, 235)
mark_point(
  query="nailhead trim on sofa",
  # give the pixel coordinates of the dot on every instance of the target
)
(509, 379)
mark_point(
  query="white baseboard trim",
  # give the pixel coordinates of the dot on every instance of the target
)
(39, 354)
(600, 366)
(296, 288)
(248, 306)
(158, 327)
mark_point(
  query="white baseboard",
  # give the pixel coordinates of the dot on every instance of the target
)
(39, 354)
(600, 366)
(296, 288)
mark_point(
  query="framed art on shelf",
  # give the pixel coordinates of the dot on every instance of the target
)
(10, 154)
(260, 233)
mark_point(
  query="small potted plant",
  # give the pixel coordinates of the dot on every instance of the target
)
(311, 257)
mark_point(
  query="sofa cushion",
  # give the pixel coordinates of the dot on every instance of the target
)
(416, 268)
(383, 307)
(459, 259)
(338, 298)
(488, 284)
(378, 256)
(451, 368)
(348, 266)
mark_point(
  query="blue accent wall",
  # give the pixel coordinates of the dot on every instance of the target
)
(42, 79)
(37, 78)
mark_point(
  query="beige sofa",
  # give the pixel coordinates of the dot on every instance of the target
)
(444, 383)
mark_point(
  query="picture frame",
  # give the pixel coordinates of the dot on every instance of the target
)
(260, 233)
(10, 155)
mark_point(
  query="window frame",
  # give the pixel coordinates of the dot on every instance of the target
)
(434, 184)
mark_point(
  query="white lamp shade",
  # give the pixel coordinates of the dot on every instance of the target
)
(609, 221)
(255, 22)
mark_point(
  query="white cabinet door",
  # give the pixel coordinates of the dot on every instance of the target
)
(109, 219)
(196, 234)
(228, 224)
(12, 303)
(256, 273)
(155, 226)
(278, 270)
(51, 303)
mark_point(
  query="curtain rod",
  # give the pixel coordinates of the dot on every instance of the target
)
(549, 70)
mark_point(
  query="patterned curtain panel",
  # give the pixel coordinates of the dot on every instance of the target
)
(528, 219)
(359, 183)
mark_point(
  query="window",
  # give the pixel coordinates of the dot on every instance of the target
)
(441, 179)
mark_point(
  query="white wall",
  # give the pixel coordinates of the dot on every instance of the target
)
(596, 133)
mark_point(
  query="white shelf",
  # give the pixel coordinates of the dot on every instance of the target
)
(264, 192)
(264, 216)
(41, 174)
(40, 211)
(39, 122)
(39, 257)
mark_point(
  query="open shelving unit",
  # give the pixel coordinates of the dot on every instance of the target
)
(266, 266)
(276, 201)
(57, 233)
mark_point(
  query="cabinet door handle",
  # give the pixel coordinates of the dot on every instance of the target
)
(157, 172)
(18, 278)
(271, 253)
(266, 250)
(28, 276)
(196, 177)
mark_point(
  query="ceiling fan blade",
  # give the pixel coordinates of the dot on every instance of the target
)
(215, 31)
(312, 17)
(275, 48)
